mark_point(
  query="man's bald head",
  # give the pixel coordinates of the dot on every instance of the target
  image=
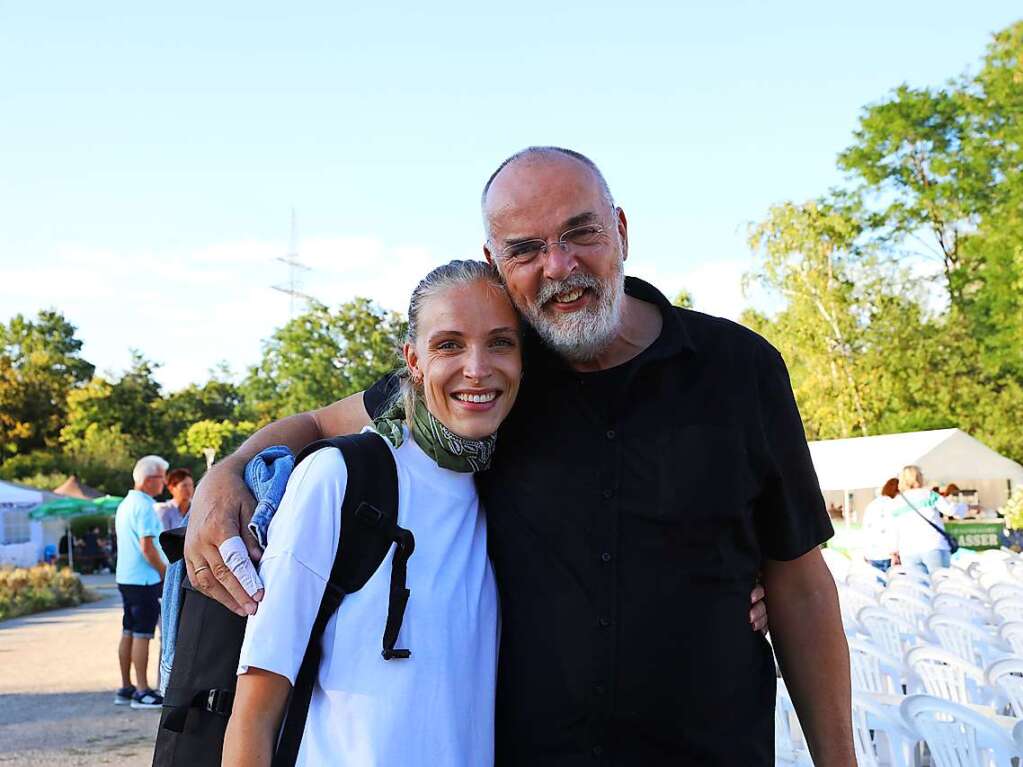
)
(540, 154)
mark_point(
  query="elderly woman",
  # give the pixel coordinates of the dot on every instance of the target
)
(921, 538)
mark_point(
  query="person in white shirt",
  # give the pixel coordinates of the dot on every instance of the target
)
(436, 708)
(879, 538)
(917, 511)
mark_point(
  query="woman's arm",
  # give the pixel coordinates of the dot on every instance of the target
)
(259, 703)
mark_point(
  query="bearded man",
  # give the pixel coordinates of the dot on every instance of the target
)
(654, 464)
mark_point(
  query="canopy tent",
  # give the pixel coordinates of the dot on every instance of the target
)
(65, 508)
(21, 540)
(72, 488)
(944, 455)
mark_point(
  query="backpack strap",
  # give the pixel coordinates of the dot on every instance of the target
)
(369, 527)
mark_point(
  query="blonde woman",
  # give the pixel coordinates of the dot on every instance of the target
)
(921, 538)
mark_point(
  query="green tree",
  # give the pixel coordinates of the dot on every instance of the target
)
(131, 404)
(321, 356)
(221, 437)
(218, 399)
(40, 363)
(684, 299)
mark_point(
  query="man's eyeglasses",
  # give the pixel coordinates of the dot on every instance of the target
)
(524, 252)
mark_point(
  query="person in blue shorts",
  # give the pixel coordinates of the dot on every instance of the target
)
(140, 569)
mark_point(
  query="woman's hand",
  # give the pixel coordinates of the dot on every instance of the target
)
(758, 613)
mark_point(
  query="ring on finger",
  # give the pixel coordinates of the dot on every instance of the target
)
(198, 570)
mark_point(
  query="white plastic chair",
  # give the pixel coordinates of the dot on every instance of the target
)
(946, 573)
(967, 640)
(947, 676)
(871, 720)
(1005, 590)
(789, 744)
(968, 609)
(956, 735)
(897, 572)
(1012, 634)
(916, 611)
(962, 589)
(851, 601)
(873, 670)
(866, 582)
(837, 562)
(889, 631)
(1006, 679)
(1008, 609)
(911, 587)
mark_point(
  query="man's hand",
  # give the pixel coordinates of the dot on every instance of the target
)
(221, 509)
(758, 613)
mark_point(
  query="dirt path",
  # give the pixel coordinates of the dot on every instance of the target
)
(58, 672)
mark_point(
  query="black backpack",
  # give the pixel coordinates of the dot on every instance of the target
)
(200, 691)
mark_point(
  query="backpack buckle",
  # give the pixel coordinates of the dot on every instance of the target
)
(369, 514)
(220, 701)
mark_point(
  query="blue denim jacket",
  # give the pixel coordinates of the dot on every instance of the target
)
(266, 476)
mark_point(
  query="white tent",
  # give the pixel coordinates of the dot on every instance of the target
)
(851, 469)
(22, 541)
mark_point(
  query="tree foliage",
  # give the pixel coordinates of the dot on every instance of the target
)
(322, 356)
(873, 347)
(40, 363)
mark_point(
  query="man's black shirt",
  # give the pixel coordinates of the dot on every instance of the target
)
(629, 512)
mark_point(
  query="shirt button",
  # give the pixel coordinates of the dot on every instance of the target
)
(604, 622)
(608, 494)
(597, 751)
(606, 557)
(610, 433)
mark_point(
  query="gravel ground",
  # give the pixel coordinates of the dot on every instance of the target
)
(59, 672)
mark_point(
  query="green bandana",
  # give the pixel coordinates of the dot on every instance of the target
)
(449, 450)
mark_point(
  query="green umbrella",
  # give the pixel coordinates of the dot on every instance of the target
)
(64, 508)
(108, 503)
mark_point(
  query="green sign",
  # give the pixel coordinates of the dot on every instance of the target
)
(976, 535)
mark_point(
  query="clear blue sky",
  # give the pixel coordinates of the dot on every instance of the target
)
(149, 160)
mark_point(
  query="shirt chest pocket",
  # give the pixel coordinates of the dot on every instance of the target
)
(697, 475)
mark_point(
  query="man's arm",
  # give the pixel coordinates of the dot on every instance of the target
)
(152, 554)
(806, 631)
(223, 505)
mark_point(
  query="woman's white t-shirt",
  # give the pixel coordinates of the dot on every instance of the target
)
(434, 709)
(879, 529)
(914, 535)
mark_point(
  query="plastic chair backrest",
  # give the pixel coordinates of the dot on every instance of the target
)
(968, 641)
(1011, 632)
(837, 563)
(889, 631)
(970, 609)
(1006, 676)
(956, 736)
(866, 582)
(947, 676)
(1005, 590)
(873, 670)
(962, 589)
(1009, 609)
(909, 607)
(898, 572)
(911, 587)
(851, 602)
(871, 719)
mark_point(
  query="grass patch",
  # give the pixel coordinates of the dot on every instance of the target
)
(26, 590)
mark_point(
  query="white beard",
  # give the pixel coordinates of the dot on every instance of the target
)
(580, 336)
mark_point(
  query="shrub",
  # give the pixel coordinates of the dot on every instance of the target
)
(43, 587)
(1013, 510)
